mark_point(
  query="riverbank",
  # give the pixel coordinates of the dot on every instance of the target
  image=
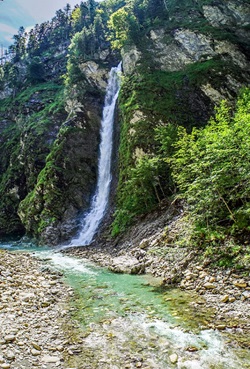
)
(103, 325)
(146, 249)
(34, 310)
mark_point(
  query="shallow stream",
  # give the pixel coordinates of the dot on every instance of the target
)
(128, 321)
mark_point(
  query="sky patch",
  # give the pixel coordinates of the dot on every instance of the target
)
(26, 13)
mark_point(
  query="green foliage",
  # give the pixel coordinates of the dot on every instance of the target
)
(162, 108)
(35, 71)
(1, 78)
(123, 27)
(82, 45)
(40, 208)
(49, 95)
(211, 167)
(21, 164)
(143, 189)
(156, 91)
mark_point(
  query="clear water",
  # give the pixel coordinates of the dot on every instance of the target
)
(99, 202)
(122, 321)
(126, 316)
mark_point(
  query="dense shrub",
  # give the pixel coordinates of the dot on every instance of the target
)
(212, 168)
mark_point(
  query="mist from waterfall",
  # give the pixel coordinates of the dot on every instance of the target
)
(92, 219)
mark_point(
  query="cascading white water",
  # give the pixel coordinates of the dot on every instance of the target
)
(99, 202)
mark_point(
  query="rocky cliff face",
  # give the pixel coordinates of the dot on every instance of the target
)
(51, 140)
(65, 185)
(173, 49)
(175, 77)
(27, 135)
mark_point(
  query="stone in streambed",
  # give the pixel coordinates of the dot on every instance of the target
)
(240, 284)
(36, 346)
(221, 327)
(35, 352)
(126, 264)
(25, 297)
(5, 366)
(225, 298)
(173, 358)
(10, 355)
(50, 359)
(209, 286)
(9, 338)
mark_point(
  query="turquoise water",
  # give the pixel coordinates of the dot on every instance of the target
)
(127, 321)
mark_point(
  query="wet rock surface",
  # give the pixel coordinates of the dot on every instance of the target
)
(32, 314)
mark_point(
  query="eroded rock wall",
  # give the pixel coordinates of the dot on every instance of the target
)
(175, 76)
(64, 187)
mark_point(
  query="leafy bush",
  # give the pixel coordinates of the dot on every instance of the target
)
(35, 70)
(212, 168)
(144, 189)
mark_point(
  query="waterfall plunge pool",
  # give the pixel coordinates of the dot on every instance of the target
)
(123, 321)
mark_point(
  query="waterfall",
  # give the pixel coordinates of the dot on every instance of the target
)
(92, 219)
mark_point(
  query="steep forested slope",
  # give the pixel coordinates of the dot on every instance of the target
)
(180, 60)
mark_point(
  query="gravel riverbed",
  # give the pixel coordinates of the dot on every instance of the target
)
(33, 313)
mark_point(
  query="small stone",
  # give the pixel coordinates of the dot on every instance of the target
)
(201, 302)
(138, 365)
(46, 303)
(5, 366)
(240, 284)
(10, 355)
(246, 294)
(235, 276)
(220, 327)
(225, 298)
(192, 349)
(9, 338)
(232, 299)
(36, 346)
(173, 358)
(209, 285)
(202, 274)
(26, 296)
(198, 267)
(35, 352)
(50, 359)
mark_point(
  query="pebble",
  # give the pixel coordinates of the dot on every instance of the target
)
(36, 346)
(209, 285)
(50, 359)
(220, 327)
(240, 284)
(225, 298)
(35, 352)
(173, 358)
(5, 366)
(10, 355)
(9, 338)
